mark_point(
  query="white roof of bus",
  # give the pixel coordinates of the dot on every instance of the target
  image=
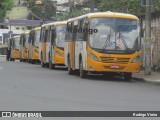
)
(104, 13)
(18, 36)
(55, 23)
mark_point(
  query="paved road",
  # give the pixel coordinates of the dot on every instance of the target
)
(24, 86)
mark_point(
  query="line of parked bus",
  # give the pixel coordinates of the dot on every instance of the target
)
(113, 49)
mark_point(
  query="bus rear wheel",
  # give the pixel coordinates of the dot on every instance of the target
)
(33, 61)
(127, 76)
(83, 73)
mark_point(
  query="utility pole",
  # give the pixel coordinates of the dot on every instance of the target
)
(148, 39)
(70, 8)
(92, 5)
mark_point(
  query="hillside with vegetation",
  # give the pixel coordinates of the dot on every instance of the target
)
(125, 6)
(5, 5)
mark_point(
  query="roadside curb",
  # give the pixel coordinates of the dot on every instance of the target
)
(154, 82)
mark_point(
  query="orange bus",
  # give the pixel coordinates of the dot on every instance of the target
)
(24, 46)
(103, 42)
(15, 48)
(33, 51)
(52, 44)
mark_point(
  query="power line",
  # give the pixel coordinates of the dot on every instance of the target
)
(35, 15)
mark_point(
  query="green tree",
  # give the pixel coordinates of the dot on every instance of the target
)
(124, 6)
(45, 11)
(5, 5)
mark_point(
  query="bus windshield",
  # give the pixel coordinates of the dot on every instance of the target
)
(37, 37)
(16, 42)
(60, 36)
(26, 40)
(115, 35)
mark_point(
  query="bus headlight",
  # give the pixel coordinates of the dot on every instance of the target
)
(136, 59)
(58, 53)
(94, 57)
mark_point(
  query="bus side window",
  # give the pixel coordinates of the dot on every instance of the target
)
(42, 34)
(69, 34)
(75, 34)
(53, 36)
(20, 42)
(80, 34)
(33, 38)
(29, 39)
(13, 43)
(85, 26)
(23, 40)
(46, 35)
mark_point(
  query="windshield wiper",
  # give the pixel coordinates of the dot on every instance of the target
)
(107, 41)
(121, 36)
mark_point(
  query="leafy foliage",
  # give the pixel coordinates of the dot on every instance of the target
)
(45, 11)
(125, 6)
(5, 5)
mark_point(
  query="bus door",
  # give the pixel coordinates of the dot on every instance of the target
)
(78, 37)
(47, 45)
(26, 37)
(44, 39)
(29, 46)
(11, 47)
(21, 46)
(52, 38)
(32, 44)
(73, 45)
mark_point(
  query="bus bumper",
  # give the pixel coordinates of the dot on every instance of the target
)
(113, 67)
(16, 56)
(35, 56)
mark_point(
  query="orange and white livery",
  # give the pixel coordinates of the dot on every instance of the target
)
(52, 44)
(109, 44)
(15, 48)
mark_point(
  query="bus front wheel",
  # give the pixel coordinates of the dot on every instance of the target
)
(83, 73)
(127, 76)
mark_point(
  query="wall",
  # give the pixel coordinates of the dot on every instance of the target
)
(155, 40)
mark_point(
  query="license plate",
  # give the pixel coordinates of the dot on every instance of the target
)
(114, 66)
